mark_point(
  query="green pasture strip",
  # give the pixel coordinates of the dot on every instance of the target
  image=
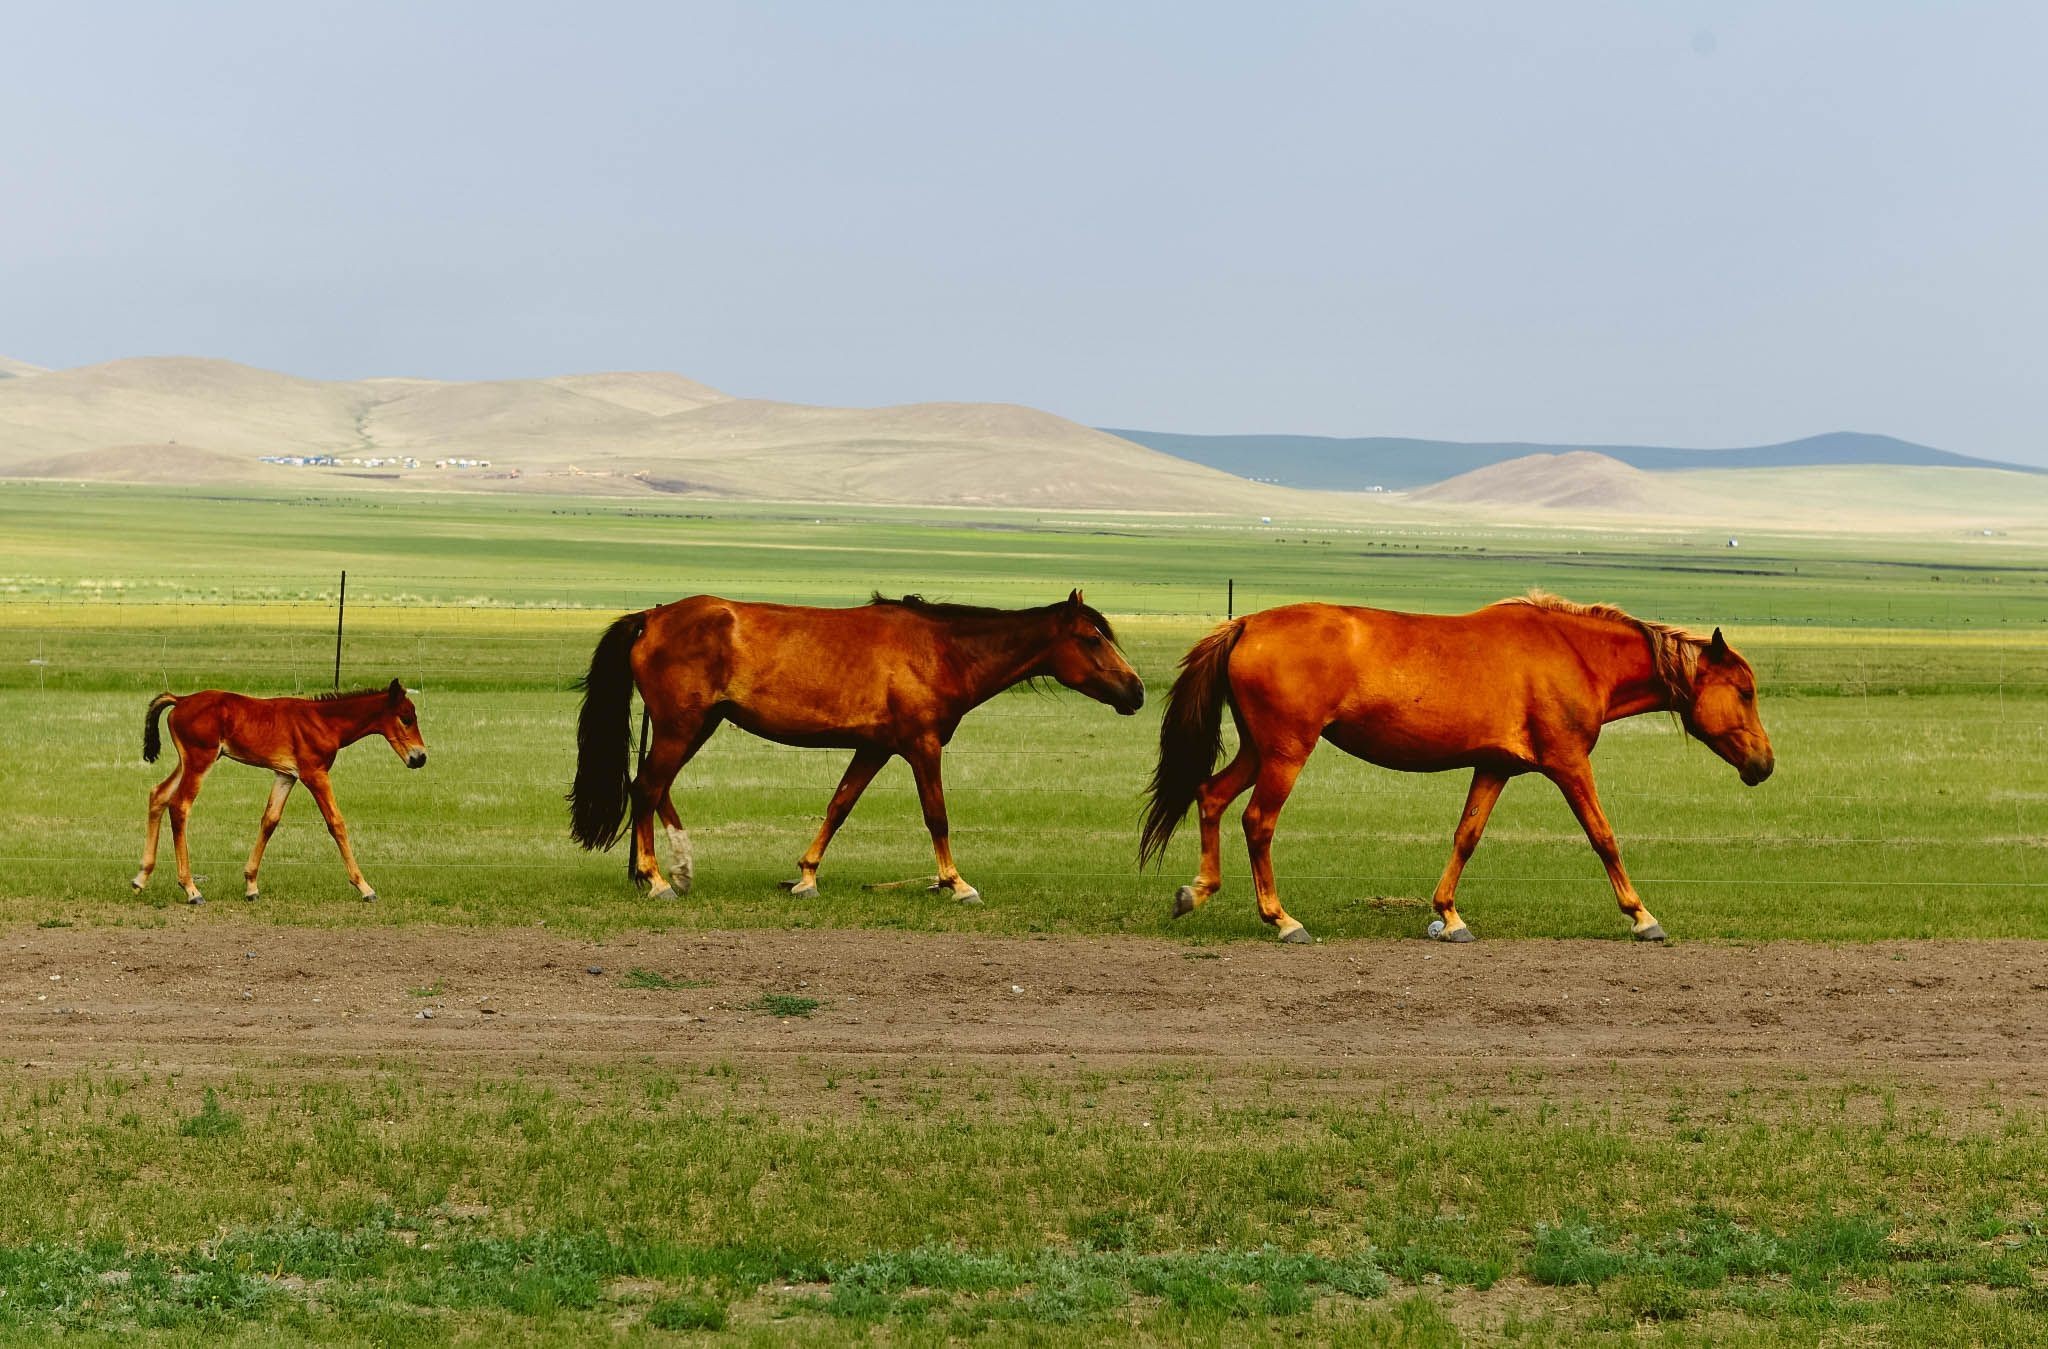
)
(951, 1201)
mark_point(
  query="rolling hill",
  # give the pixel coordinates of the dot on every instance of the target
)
(622, 432)
(1397, 463)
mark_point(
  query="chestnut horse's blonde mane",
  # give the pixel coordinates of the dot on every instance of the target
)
(1673, 651)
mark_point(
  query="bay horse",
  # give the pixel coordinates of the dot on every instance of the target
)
(887, 678)
(295, 738)
(1521, 686)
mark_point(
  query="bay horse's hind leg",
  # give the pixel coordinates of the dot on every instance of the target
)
(1575, 780)
(852, 783)
(193, 763)
(1276, 779)
(1486, 788)
(273, 811)
(1214, 797)
(676, 742)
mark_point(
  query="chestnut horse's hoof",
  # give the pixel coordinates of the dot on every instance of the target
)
(137, 883)
(801, 889)
(664, 894)
(1459, 934)
(250, 898)
(968, 895)
(1654, 932)
(1185, 903)
(195, 899)
(370, 898)
(1297, 936)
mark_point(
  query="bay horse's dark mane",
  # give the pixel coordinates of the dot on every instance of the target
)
(1673, 651)
(978, 617)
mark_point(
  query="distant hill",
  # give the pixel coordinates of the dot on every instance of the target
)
(13, 369)
(1398, 463)
(1574, 480)
(170, 419)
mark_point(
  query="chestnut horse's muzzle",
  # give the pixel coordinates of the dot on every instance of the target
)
(1759, 768)
(416, 759)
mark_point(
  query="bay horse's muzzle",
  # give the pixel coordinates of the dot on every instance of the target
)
(1130, 699)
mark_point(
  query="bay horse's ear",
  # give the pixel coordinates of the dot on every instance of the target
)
(1717, 649)
(396, 693)
(1074, 598)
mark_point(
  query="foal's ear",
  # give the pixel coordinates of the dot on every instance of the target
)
(1717, 649)
(1074, 597)
(395, 694)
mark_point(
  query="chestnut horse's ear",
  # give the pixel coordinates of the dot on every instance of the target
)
(1074, 598)
(1717, 649)
(396, 693)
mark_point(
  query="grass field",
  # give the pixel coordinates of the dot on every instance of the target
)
(1905, 684)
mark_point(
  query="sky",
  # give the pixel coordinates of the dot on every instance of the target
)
(1684, 223)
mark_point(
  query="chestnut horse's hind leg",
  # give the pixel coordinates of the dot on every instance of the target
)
(1486, 786)
(192, 766)
(1575, 780)
(676, 742)
(1276, 779)
(852, 783)
(1214, 798)
(323, 797)
(931, 794)
(273, 811)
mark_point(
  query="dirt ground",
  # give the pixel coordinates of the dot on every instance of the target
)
(1954, 1017)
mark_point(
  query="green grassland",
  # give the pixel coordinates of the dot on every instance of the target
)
(1905, 683)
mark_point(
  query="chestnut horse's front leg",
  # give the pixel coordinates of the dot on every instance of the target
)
(1575, 780)
(931, 794)
(1486, 787)
(852, 783)
(323, 797)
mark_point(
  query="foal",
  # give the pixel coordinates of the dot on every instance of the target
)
(295, 738)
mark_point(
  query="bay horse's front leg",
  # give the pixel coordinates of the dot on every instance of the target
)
(1575, 780)
(931, 794)
(273, 811)
(1213, 798)
(1276, 779)
(1486, 787)
(323, 797)
(852, 783)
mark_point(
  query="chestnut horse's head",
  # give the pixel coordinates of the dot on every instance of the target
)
(399, 723)
(1084, 657)
(1722, 713)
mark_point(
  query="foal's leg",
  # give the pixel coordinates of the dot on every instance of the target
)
(852, 783)
(1486, 786)
(1214, 798)
(159, 800)
(675, 744)
(1575, 780)
(323, 797)
(1276, 779)
(191, 774)
(931, 794)
(273, 811)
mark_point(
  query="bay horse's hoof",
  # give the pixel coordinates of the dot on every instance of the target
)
(1185, 903)
(1296, 936)
(800, 889)
(1459, 935)
(665, 893)
(1654, 932)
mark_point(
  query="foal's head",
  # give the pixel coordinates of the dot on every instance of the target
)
(398, 721)
(1084, 657)
(1723, 713)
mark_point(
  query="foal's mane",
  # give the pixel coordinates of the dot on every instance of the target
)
(977, 618)
(344, 695)
(1674, 652)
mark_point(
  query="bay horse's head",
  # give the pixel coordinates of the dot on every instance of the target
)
(1084, 657)
(398, 721)
(1722, 712)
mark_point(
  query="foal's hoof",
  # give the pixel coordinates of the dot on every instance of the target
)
(801, 889)
(1185, 903)
(1296, 936)
(195, 899)
(370, 898)
(664, 894)
(1654, 932)
(1458, 935)
(251, 897)
(137, 883)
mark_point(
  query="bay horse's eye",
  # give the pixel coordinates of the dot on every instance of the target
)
(1749, 695)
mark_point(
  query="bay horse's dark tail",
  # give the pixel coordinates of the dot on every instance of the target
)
(1190, 736)
(152, 740)
(602, 793)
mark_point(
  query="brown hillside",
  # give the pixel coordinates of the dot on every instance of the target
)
(1575, 480)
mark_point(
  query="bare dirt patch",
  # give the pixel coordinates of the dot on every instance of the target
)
(1957, 1017)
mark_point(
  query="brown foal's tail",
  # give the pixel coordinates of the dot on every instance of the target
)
(152, 742)
(1190, 736)
(602, 792)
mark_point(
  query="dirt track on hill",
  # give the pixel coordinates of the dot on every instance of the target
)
(1953, 1016)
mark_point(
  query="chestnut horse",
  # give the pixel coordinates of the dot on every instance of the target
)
(1522, 686)
(295, 738)
(891, 677)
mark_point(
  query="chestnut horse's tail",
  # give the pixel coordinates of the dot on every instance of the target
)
(602, 793)
(152, 740)
(1190, 736)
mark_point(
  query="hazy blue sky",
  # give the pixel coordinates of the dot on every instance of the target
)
(1681, 222)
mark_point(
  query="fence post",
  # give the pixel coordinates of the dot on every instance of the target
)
(1230, 599)
(340, 611)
